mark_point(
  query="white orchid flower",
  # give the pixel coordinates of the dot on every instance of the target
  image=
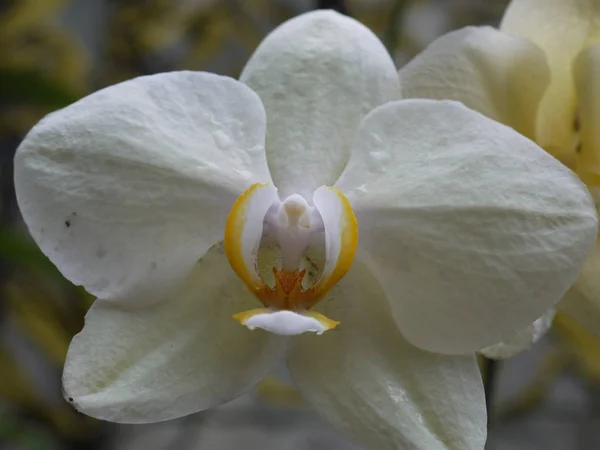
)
(165, 196)
(540, 74)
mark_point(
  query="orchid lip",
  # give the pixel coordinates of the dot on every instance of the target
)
(285, 322)
(292, 222)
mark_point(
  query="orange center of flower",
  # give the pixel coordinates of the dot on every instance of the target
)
(292, 222)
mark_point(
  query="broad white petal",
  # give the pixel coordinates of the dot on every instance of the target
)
(125, 189)
(587, 79)
(501, 76)
(522, 340)
(378, 389)
(177, 356)
(318, 75)
(582, 301)
(472, 229)
(561, 28)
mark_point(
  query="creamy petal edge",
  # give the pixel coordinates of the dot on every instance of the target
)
(175, 357)
(472, 229)
(501, 76)
(125, 189)
(376, 388)
(562, 29)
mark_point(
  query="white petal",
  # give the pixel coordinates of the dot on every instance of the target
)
(501, 76)
(561, 28)
(125, 189)
(522, 340)
(180, 355)
(582, 301)
(318, 75)
(374, 386)
(587, 79)
(472, 229)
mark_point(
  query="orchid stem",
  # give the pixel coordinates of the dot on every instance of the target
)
(491, 367)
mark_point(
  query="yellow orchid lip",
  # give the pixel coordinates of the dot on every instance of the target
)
(243, 232)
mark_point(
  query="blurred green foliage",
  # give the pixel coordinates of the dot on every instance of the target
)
(27, 86)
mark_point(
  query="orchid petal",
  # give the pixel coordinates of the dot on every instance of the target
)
(125, 189)
(378, 389)
(180, 355)
(472, 229)
(318, 75)
(501, 76)
(561, 28)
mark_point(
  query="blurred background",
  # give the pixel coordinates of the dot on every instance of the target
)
(53, 52)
